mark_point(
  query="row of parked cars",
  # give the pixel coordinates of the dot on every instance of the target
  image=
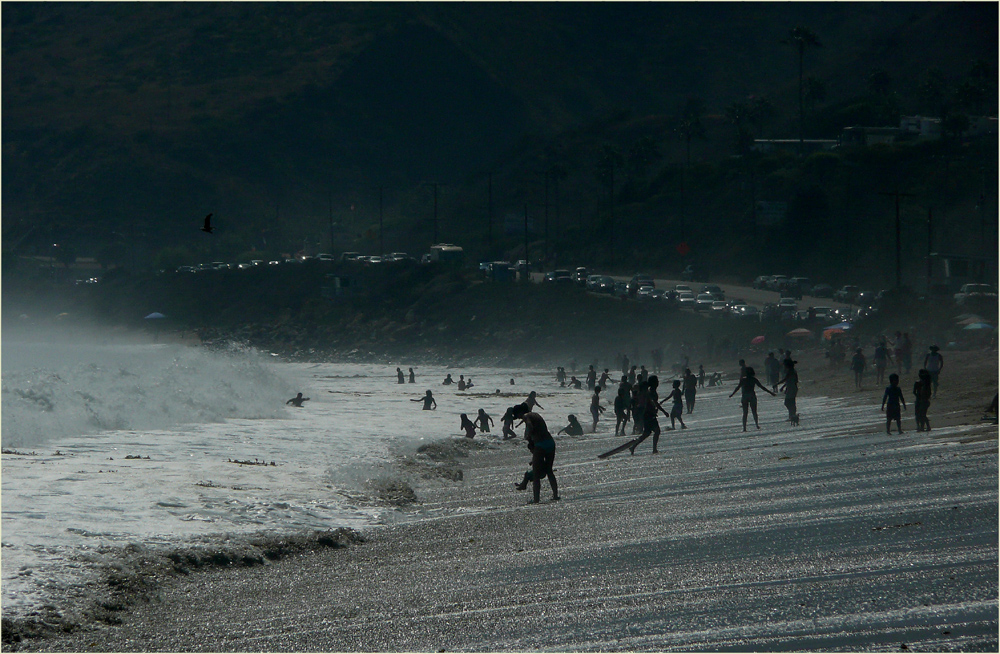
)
(353, 257)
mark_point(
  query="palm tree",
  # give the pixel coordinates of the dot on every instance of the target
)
(802, 38)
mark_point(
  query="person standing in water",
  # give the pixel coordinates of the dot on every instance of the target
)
(532, 402)
(448, 380)
(413, 377)
(399, 377)
(890, 404)
(595, 406)
(701, 375)
(748, 385)
(428, 400)
(507, 420)
(591, 378)
(297, 400)
(790, 385)
(690, 388)
(622, 400)
(484, 421)
(543, 452)
(605, 378)
(468, 426)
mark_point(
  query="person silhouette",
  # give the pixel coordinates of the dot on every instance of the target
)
(297, 400)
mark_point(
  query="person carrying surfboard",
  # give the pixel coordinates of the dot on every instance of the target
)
(649, 423)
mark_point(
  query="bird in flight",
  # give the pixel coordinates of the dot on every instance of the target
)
(208, 224)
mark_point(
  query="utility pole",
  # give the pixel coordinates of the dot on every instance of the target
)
(930, 249)
(489, 217)
(899, 274)
(381, 241)
(435, 186)
(611, 257)
(545, 252)
(527, 261)
(331, 220)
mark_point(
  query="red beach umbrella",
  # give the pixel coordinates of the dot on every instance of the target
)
(757, 340)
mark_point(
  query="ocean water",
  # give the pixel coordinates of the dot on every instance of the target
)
(109, 445)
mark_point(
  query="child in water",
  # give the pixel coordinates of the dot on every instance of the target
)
(468, 426)
(507, 420)
(574, 428)
(484, 421)
(428, 400)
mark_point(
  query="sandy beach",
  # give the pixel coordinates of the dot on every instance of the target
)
(827, 536)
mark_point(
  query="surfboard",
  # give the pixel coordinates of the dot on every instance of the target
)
(618, 449)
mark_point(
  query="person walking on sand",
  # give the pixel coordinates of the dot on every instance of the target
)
(400, 379)
(934, 364)
(858, 366)
(650, 425)
(622, 400)
(413, 377)
(677, 410)
(574, 428)
(690, 389)
(595, 406)
(881, 361)
(922, 399)
(532, 402)
(907, 353)
(484, 421)
(701, 375)
(772, 368)
(639, 393)
(892, 397)
(543, 452)
(297, 400)
(790, 386)
(468, 426)
(428, 400)
(749, 398)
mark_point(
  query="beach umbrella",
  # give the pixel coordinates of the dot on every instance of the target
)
(757, 340)
(978, 325)
(830, 331)
(801, 332)
(965, 316)
(842, 326)
(153, 316)
(971, 320)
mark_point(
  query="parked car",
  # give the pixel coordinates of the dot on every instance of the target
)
(822, 290)
(640, 279)
(788, 303)
(796, 287)
(719, 308)
(823, 314)
(644, 293)
(865, 299)
(686, 299)
(760, 282)
(593, 282)
(323, 256)
(580, 275)
(847, 293)
(748, 311)
(970, 293)
(349, 256)
(703, 302)
(620, 290)
(560, 275)
(684, 288)
(775, 282)
(714, 290)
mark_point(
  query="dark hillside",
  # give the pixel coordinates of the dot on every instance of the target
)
(124, 124)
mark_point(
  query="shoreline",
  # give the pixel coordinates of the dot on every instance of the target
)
(473, 549)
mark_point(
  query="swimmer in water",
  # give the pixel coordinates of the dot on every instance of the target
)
(297, 400)
(428, 400)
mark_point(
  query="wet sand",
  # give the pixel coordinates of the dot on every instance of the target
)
(830, 535)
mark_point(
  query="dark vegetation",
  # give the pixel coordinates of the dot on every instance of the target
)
(604, 122)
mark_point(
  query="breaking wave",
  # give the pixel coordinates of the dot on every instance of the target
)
(59, 389)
